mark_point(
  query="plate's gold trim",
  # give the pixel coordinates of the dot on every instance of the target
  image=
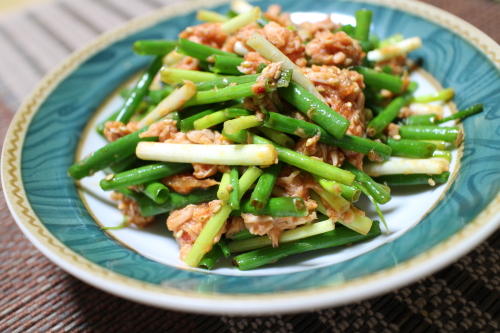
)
(29, 222)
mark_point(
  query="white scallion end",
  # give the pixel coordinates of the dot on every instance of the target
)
(241, 20)
(171, 103)
(176, 75)
(252, 154)
(307, 230)
(210, 16)
(266, 49)
(394, 50)
(240, 6)
(240, 49)
(359, 222)
(172, 58)
(421, 108)
(400, 165)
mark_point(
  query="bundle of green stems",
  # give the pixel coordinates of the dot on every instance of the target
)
(262, 146)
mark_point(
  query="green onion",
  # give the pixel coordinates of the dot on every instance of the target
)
(306, 129)
(338, 237)
(350, 193)
(203, 243)
(442, 145)
(176, 75)
(443, 95)
(384, 118)
(210, 16)
(241, 20)
(421, 119)
(226, 65)
(262, 191)
(218, 117)
(105, 156)
(379, 192)
(310, 164)
(199, 51)
(157, 95)
(140, 90)
(278, 207)
(415, 179)
(315, 109)
(285, 78)
(301, 232)
(333, 200)
(464, 113)
(428, 132)
(224, 186)
(446, 154)
(142, 175)
(222, 95)
(154, 47)
(218, 154)
(123, 164)
(391, 40)
(241, 123)
(224, 81)
(363, 22)
(243, 234)
(277, 137)
(411, 148)
(211, 258)
(378, 80)
(234, 195)
(174, 201)
(400, 165)
(246, 180)
(187, 124)
(394, 50)
(157, 192)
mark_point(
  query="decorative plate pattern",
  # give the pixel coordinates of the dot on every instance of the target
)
(42, 140)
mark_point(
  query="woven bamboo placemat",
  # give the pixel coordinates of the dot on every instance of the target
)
(36, 295)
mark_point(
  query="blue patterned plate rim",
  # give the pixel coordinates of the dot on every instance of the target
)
(30, 203)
